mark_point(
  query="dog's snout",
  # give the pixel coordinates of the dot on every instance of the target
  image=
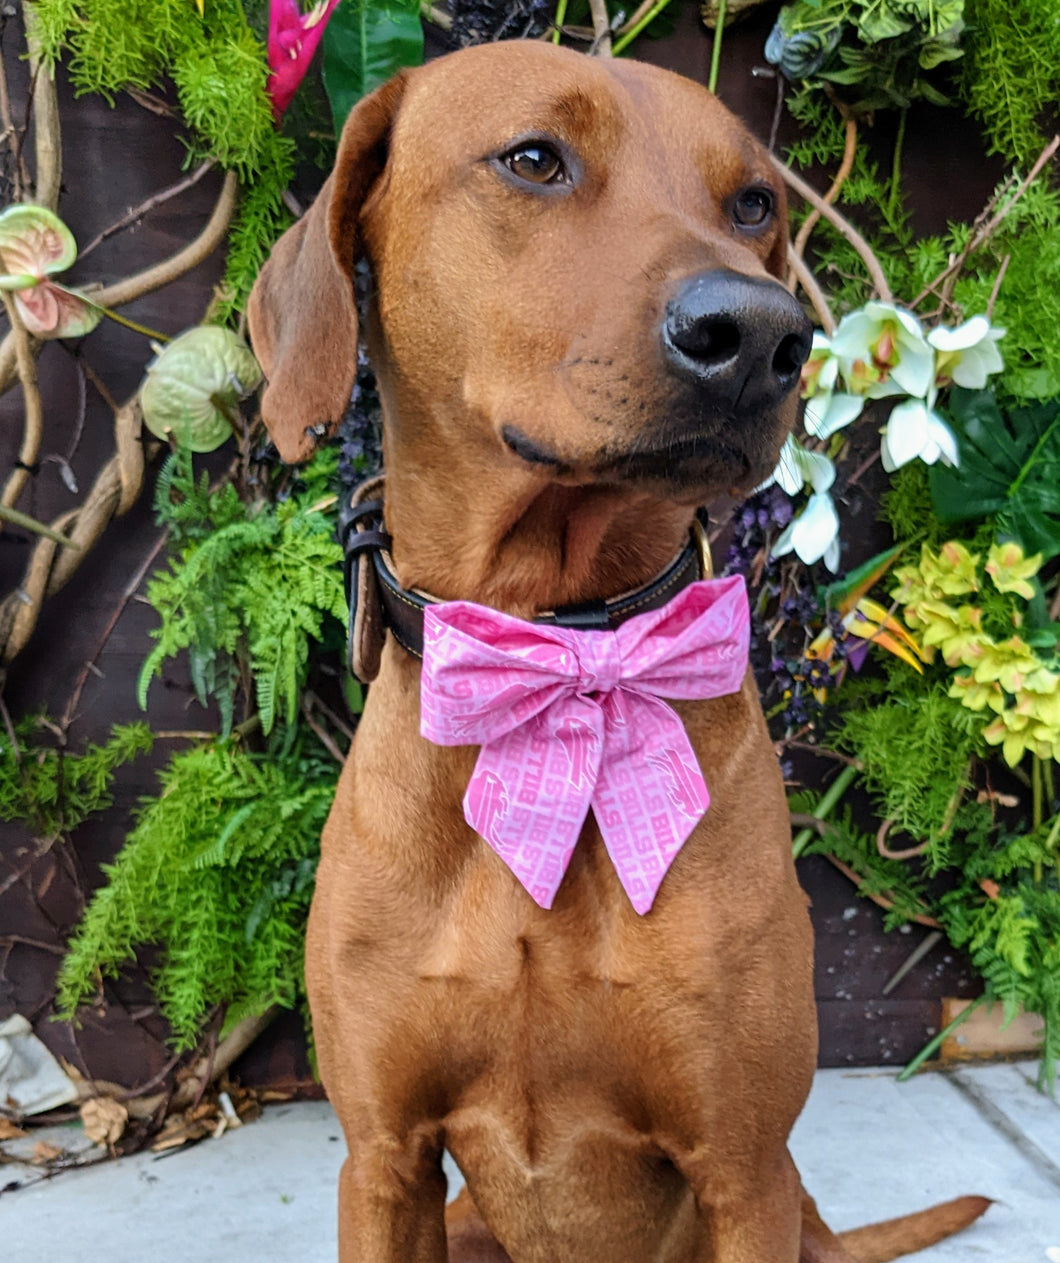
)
(742, 338)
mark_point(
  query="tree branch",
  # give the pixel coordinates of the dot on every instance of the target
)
(842, 225)
(179, 264)
(156, 199)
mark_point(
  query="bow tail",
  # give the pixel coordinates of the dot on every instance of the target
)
(530, 793)
(650, 793)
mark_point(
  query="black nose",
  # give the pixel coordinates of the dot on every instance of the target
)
(742, 339)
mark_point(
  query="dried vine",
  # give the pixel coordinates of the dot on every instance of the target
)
(119, 483)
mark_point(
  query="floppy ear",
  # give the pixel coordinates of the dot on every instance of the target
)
(301, 313)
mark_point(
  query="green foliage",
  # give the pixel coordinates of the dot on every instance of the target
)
(1013, 939)
(53, 789)
(1009, 468)
(898, 883)
(985, 871)
(1027, 305)
(261, 220)
(990, 878)
(217, 877)
(219, 68)
(880, 212)
(1011, 78)
(875, 53)
(907, 508)
(252, 584)
(915, 743)
(366, 43)
(1000, 904)
(1028, 302)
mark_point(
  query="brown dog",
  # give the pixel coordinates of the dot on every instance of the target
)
(577, 342)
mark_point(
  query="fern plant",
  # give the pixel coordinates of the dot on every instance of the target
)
(1001, 905)
(1011, 77)
(220, 71)
(52, 789)
(216, 876)
(252, 588)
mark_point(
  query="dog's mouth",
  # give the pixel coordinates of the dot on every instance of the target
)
(680, 464)
(532, 451)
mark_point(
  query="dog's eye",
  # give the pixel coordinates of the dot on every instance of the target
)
(753, 207)
(537, 164)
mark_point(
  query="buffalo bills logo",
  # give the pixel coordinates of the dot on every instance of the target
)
(684, 784)
(579, 741)
(488, 802)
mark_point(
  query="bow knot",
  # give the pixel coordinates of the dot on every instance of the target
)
(600, 663)
(570, 719)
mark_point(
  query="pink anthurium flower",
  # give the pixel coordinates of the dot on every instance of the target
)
(34, 245)
(293, 39)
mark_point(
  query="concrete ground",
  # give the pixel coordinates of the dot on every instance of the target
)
(868, 1148)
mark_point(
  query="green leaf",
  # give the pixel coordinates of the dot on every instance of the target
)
(865, 576)
(364, 46)
(1010, 467)
(880, 24)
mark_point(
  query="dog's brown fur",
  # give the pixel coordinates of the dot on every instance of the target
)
(614, 1087)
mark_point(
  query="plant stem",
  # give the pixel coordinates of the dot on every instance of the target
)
(561, 17)
(634, 31)
(1036, 799)
(433, 14)
(601, 28)
(933, 1045)
(715, 52)
(28, 523)
(842, 225)
(801, 275)
(153, 334)
(850, 145)
(824, 808)
(33, 426)
(1036, 789)
(896, 165)
(156, 199)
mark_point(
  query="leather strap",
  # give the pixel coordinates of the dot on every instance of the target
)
(378, 602)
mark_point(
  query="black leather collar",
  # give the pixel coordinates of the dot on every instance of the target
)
(378, 602)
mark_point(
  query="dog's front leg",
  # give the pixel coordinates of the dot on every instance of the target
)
(753, 1218)
(392, 1202)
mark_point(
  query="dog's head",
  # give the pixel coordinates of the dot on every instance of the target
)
(574, 268)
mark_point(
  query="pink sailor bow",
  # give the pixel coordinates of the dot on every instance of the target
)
(569, 720)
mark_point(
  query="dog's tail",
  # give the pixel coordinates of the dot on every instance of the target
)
(891, 1239)
(879, 1243)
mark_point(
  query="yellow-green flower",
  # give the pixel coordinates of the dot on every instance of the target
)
(974, 695)
(1010, 662)
(958, 636)
(1016, 734)
(955, 570)
(1011, 570)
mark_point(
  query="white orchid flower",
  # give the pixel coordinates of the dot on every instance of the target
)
(825, 414)
(814, 534)
(819, 373)
(915, 429)
(882, 351)
(797, 467)
(826, 409)
(968, 355)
